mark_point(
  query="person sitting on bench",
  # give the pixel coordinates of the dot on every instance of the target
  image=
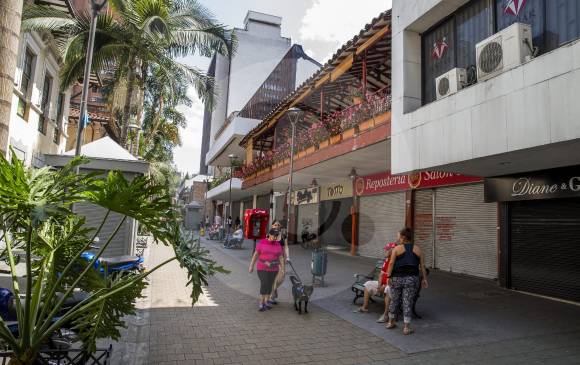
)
(372, 287)
(237, 238)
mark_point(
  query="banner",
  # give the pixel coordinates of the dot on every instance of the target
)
(386, 183)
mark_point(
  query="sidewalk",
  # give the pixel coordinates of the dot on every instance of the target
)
(466, 321)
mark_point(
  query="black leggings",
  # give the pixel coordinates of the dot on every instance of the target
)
(267, 279)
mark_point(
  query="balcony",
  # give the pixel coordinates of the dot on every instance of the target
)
(221, 189)
(354, 128)
(227, 139)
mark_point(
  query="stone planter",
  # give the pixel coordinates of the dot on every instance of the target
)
(382, 118)
(367, 124)
(349, 133)
(335, 139)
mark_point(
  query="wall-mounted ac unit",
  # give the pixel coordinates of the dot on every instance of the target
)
(450, 82)
(503, 51)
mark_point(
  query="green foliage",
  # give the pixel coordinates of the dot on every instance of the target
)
(36, 214)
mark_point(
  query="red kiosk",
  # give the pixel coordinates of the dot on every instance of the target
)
(255, 224)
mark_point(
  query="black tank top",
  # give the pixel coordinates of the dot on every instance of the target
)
(407, 264)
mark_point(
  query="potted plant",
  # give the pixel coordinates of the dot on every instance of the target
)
(357, 93)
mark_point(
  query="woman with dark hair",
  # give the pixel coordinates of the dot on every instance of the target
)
(407, 262)
(269, 255)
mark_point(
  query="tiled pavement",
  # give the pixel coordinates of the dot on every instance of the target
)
(225, 327)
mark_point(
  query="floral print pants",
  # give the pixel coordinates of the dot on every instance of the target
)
(403, 289)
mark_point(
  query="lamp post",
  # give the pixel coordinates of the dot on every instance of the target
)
(354, 212)
(205, 183)
(83, 117)
(233, 159)
(294, 115)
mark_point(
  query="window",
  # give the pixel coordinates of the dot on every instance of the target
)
(46, 90)
(452, 42)
(56, 135)
(562, 22)
(531, 12)
(26, 72)
(42, 123)
(438, 57)
(21, 108)
(59, 108)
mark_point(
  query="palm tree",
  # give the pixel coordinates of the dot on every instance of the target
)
(9, 34)
(135, 36)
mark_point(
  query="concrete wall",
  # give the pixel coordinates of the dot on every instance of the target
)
(525, 108)
(218, 115)
(24, 137)
(260, 48)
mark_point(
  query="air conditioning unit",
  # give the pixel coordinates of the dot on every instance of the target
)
(503, 51)
(450, 82)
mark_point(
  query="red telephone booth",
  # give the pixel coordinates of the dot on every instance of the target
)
(255, 223)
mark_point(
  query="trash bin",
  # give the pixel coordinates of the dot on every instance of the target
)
(318, 265)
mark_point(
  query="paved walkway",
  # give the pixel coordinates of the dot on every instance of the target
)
(224, 327)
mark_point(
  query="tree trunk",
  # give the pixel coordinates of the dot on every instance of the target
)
(10, 17)
(128, 98)
(156, 121)
(142, 82)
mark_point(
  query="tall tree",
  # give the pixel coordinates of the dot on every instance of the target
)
(10, 14)
(138, 34)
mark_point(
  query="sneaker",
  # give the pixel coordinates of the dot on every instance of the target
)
(382, 319)
(262, 308)
(268, 306)
(271, 302)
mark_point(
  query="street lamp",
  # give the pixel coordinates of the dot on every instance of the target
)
(353, 211)
(233, 159)
(294, 115)
(83, 117)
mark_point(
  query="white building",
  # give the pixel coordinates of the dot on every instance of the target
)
(248, 87)
(515, 112)
(39, 108)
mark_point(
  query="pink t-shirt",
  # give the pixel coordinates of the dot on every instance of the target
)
(268, 251)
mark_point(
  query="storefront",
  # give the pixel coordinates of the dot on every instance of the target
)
(453, 225)
(306, 203)
(540, 231)
(335, 214)
(455, 228)
(381, 211)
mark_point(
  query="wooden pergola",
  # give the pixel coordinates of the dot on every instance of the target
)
(363, 63)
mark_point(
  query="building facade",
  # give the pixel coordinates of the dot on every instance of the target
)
(264, 69)
(38, 122)
(487, 88)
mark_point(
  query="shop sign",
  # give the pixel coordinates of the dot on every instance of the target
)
(549, 184)
(336, 191)
(386, 183)
(305, 196)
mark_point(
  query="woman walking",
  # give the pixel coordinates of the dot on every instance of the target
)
(407, 261)
(269, 255)
(282, 238)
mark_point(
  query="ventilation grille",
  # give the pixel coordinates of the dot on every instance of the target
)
(490, 57)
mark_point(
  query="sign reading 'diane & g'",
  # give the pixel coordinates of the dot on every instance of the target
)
(547, 184)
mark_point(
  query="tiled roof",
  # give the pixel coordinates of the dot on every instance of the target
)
(347, 49)
(74, 113)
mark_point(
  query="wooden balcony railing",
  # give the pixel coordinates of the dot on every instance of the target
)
(339, 126)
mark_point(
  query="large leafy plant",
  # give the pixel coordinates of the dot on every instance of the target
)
(36, 215)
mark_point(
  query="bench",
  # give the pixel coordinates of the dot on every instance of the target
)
(358, 287)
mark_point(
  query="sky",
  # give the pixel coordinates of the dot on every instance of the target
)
(320, 26)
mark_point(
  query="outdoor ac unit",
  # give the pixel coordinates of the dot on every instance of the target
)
(450, 82)
(503, 50)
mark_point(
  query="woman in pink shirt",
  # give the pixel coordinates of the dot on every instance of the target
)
(269, 255)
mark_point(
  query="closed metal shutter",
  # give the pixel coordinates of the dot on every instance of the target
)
(336, 222)
(545, 237)
(236, 211)
(466, 231)
(94, 214)
(279, 212)
(248, 204)
(423, 230)
(307, 219)
(381, 217)
(263, 202)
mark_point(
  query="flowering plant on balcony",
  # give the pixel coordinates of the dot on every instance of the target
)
(332, 123)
